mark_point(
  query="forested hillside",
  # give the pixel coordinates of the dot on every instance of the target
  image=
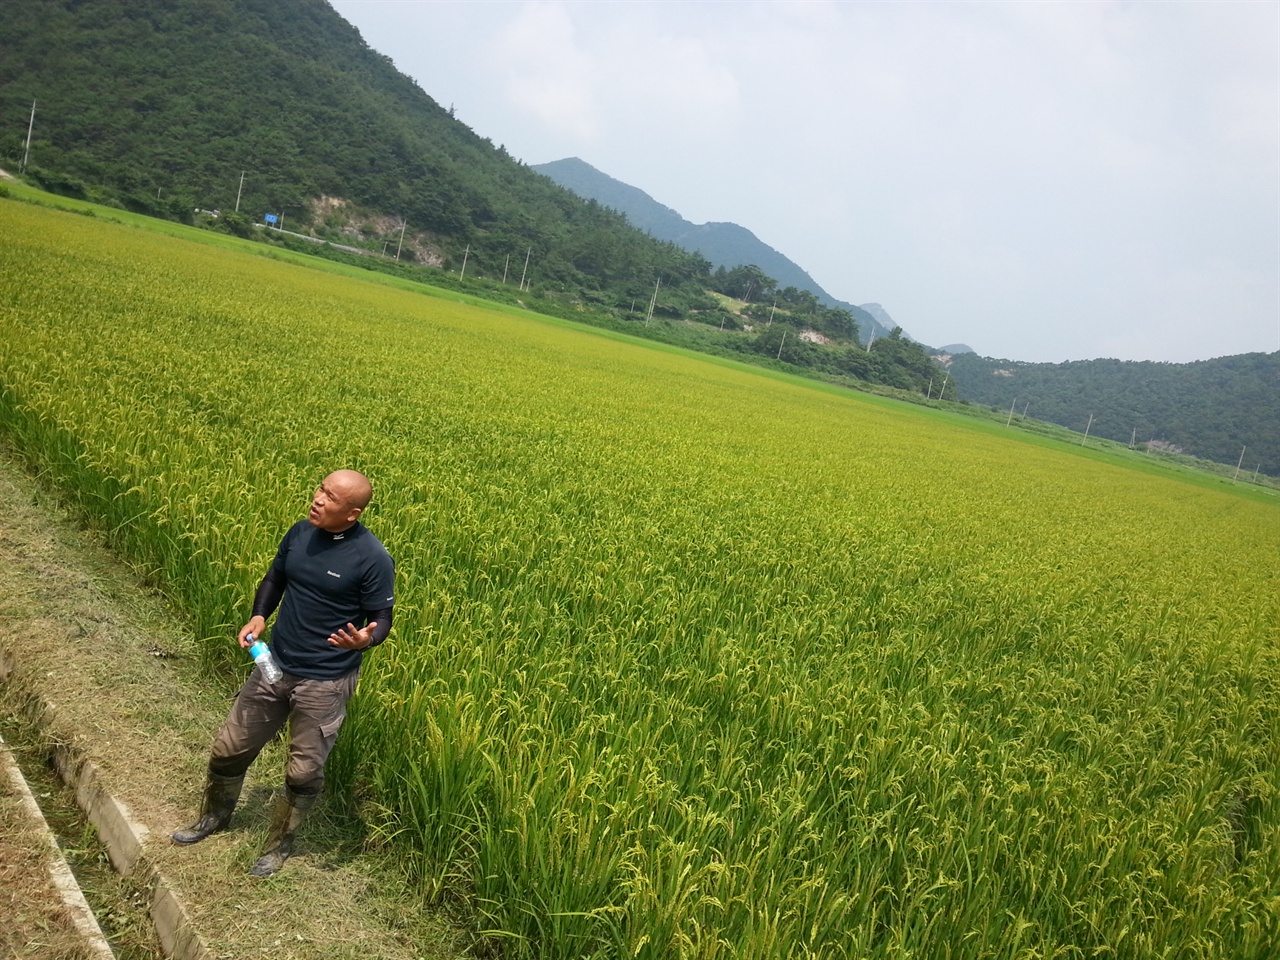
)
(162, 106)
(1209, 409)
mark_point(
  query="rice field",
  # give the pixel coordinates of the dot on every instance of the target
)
(688, 661)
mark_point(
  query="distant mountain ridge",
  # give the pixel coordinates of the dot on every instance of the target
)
(723, 244)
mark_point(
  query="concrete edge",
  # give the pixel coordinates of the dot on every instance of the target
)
(60, 874)
(121, 834)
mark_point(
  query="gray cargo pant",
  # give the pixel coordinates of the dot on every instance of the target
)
(315, 710)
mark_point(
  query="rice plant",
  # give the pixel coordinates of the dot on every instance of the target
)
(689, 662)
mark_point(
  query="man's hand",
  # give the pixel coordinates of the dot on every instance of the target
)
(353, 639)
(255, 626)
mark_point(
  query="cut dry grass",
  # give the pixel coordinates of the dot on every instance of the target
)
(37, 925)
(118, 903)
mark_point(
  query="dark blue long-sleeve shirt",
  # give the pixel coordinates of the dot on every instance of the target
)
(322, 581)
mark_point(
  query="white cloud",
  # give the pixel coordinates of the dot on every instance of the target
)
(1041, 180)
(545, 70)
(612, 79)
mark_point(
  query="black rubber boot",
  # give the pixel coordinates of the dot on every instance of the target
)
(291, 809)
(220, 796)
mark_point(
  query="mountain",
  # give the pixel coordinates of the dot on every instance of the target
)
(1209, 409)
(725, 245)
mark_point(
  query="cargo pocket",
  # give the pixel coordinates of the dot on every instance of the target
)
(329, 732)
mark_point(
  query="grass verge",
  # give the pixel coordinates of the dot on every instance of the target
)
(40, 926)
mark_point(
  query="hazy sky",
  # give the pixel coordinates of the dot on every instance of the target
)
(1042, 181)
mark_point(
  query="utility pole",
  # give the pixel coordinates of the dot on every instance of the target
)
(239, 190)
(771, 309)
(525, 271)
(1133, 439)
(465, 254)
(929, 393)
(403, 224)
(1086, 429)
(781, 345)
(653, 302)
(942, 392)
(505, 264)
(27, 150)
(1241, 460)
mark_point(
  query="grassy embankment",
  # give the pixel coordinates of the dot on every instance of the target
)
(691, 661)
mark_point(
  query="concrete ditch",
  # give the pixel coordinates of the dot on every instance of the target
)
(60, 876)
(121, 834)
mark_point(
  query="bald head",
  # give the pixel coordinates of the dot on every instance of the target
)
(339, 500)
(354, 487)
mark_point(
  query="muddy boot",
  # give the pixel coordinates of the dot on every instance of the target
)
(291, 809)
(220, 796)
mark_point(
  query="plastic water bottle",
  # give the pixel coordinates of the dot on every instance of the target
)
(261, 654)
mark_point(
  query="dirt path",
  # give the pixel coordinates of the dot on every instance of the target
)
(82, 634)
(38, 924)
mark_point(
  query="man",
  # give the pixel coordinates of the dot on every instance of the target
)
(329, 574)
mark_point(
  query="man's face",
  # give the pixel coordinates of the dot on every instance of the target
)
(331, 507)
